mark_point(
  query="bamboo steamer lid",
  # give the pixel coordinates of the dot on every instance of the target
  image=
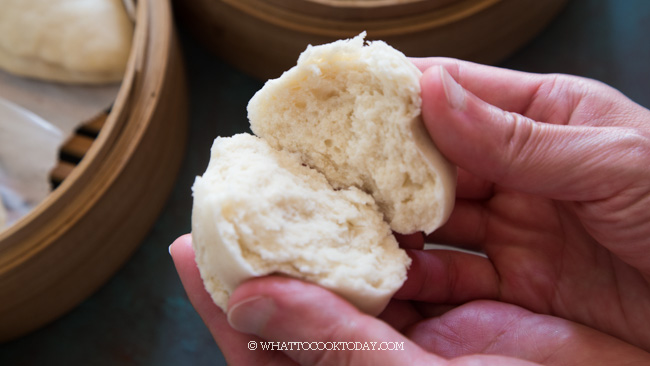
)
(74, 241)
(265, 37)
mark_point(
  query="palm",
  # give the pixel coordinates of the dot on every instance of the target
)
(541, 258)
(491, 327)
(549, 264)
(565, 225)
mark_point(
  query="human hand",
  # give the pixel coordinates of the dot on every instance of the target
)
(287, 310)
(561, 207)
(561, 239)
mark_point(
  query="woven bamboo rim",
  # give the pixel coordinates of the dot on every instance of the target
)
(73, 242)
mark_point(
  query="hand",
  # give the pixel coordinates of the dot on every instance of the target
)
(287, 310)
(554, 187)
(560, 209)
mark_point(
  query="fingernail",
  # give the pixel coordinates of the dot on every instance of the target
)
(453, 91)
(251, 315)
(170, 249)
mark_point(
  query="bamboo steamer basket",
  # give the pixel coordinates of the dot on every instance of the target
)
(265, 37)
(74, 241)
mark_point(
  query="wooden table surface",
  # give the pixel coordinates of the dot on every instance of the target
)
(142, 316)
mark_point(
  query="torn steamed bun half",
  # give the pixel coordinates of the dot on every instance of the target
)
(351, 110)
(259, 211)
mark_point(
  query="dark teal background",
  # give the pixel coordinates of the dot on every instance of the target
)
(142, 316)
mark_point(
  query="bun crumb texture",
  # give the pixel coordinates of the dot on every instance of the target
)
(352, 111)
(340, 162)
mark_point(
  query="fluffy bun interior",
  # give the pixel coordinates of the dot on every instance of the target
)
(259, 211)
(350, 110)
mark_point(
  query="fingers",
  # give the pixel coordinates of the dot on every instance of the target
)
(472, 187)
(410, 241)
(183, 256)
(466, 226)
(449, 277)
(287, 310)
(233, 344)
(509, 149)
(400, 314)
(507, 89)
(306, 316)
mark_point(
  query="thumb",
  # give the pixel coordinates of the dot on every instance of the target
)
(513, 150)
(313, 326)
